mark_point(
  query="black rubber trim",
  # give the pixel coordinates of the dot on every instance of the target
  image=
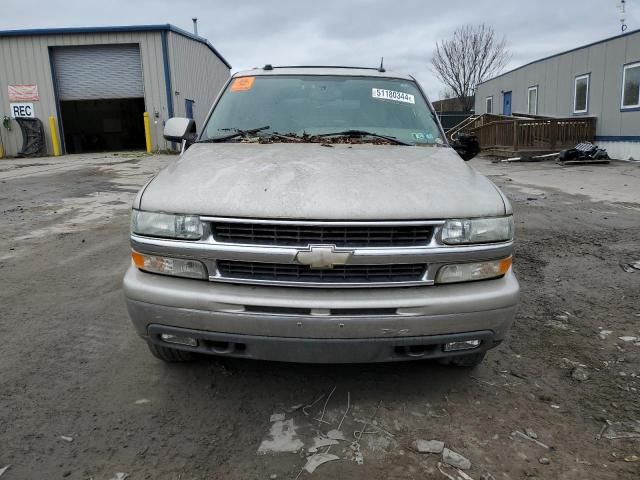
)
(321, 350)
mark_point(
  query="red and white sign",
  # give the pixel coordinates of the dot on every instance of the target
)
(23, 93)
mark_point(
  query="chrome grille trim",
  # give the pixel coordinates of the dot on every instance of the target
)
(367, 223)
(209, 250)
(346, 274)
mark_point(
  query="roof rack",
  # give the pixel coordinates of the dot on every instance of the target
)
(268, 66)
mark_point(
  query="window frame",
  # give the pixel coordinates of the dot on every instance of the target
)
(623, 107)
(486, 104)
(533, 87)
(575, 93)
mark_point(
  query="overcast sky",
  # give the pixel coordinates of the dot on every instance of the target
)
(251, 33)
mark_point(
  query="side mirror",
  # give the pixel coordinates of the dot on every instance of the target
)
(177, 129)
(467, 146)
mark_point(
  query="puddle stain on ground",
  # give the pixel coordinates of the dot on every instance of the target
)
(281, 439)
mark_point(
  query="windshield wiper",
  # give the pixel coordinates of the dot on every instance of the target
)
(237, 132)
(364, 133)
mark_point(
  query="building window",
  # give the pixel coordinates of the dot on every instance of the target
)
(631, 86)
(581, 94)
(532, 100)
(489, 105)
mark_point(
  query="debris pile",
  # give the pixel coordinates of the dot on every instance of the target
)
(349, 433)
(583, 153)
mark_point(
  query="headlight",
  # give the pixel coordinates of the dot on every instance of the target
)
(186, 227)
(176, 267)
(477, 230)
(469, 272)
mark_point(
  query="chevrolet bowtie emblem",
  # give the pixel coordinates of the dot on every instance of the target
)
(323, 256)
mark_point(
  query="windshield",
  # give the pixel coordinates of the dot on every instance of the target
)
(303, 106)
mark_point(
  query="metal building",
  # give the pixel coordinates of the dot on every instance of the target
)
(600, 80)
(91, 87)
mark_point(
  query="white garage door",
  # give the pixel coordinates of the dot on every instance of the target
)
(98, 72)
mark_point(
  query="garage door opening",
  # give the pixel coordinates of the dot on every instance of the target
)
(101, 97)
(103, 125)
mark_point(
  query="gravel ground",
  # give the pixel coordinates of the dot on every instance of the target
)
(72, 367)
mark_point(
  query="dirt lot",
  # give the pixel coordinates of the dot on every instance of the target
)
(71, 366)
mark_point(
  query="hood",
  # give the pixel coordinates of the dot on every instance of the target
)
(315, 182)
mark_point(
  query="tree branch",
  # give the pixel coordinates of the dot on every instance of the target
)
(473, 54)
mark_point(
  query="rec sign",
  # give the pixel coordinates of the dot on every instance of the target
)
(22, 110)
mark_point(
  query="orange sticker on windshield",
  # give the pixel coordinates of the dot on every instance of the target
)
(242, 84)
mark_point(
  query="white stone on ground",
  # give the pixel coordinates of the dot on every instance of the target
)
(428, 446)
(455, 459)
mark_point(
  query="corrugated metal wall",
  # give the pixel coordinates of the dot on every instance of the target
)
(25, 61)
(621, 150)
(196, 74)
(555, 78)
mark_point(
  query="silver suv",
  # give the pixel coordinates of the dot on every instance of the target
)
(320, 216)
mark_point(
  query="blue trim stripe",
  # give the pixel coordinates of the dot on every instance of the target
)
(620, 138)
(114, 29)
(560, 54)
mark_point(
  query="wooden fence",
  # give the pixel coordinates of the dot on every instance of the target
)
(533, 134)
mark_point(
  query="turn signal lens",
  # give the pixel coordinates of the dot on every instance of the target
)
(138, 259)
(470, 272)
(176, 267)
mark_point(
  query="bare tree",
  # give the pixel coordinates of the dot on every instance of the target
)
(472, 55)
(446, 94)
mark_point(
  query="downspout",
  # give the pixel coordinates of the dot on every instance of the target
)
(167, 77)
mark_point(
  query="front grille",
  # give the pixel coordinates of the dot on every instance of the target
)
(283, 272)
(340, 236)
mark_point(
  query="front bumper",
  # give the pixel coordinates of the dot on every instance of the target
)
(257, 322)
(321, 350)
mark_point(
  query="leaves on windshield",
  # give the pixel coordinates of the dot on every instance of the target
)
(306, 138)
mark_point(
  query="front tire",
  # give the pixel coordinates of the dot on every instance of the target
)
(170, 355)
(465, 361)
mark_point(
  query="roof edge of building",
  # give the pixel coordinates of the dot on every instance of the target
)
(167, 27)
(604, 40)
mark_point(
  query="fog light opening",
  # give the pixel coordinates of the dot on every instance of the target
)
(457, 346)
(188, 341)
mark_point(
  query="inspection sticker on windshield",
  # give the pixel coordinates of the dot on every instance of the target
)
(242, 84)
(392, 95)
